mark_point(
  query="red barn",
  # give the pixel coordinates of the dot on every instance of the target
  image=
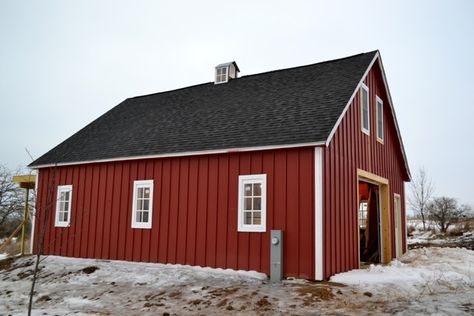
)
(200, 175)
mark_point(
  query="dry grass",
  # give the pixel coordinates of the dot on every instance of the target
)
(13, 248)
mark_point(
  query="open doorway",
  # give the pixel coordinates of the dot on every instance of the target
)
(369, 223)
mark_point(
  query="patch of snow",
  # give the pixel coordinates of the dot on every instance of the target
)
(3, 256)
(423, 281)
(75, 302)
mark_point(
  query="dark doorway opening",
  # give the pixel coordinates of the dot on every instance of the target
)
(369, 223)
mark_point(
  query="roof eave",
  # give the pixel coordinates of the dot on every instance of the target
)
(376, 58)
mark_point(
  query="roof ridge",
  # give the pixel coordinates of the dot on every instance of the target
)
(256, 74)
(313, 64)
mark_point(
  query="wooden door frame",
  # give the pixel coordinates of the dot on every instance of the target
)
(397, 214)
(384, 193)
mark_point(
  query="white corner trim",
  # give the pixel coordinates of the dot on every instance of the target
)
(183, 154)
(318, 216)
(33, 215)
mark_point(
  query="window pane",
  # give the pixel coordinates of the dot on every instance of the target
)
(247, 203)
(365, 109)
(257, 203)
(62, 196)
(257, 218)
(138, 217)
(139, 192)
(147, 193)
(140, 204)
(257, 189)
(146, 204)
(380, 119)
(66, 206)
(65, 217)
(248, 189)
(248, 218)
(145, 217)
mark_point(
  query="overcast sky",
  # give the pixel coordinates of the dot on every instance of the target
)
(63, 64)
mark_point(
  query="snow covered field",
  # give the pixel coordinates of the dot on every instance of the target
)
(425, 281)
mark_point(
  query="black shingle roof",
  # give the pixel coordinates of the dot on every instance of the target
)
(282, 107)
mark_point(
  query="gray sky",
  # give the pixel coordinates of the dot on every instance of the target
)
(62, 64)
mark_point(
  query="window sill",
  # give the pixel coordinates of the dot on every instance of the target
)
(63, 225)
(251, 229)
(140, 226)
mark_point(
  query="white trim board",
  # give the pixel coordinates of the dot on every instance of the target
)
(183, 154)
(318, 214)
(351, 99)
(33, 215)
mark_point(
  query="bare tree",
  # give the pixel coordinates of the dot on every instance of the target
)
(11, 201)
(421, 193)
(445, 211)
(40, 241)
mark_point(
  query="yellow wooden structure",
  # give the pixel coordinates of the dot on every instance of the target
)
(26, 182)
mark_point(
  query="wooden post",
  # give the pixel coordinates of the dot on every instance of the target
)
(26, 182)
(25, 222)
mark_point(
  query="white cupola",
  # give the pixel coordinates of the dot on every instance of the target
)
(225, 72)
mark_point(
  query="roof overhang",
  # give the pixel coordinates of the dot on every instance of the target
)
(377, 58)
(182, 154)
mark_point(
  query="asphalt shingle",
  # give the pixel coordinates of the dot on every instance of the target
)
(282, 107)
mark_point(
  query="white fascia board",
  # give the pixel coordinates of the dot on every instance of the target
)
(351, 99)
(33, 215)
(183, 154)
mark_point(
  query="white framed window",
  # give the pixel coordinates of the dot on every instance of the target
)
(63, 206)
(379, 110)
(252, 208)
(221, 74)
(365, 109)
(142, 207)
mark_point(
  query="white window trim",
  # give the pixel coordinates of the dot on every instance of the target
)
(57, 222)
(226, 76)
(136, 185)
(365, 130)
(377, 101)
(253, 178)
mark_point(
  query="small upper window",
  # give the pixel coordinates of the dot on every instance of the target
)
(142, 204)
(221, 74)
(63, 206)
(365, 109)
(379, 119)
(252, 203)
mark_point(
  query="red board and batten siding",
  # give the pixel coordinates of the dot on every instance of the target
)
(194, 210)
(349, 150)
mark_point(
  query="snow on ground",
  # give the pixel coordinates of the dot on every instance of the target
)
(3, 256)
(424, 281)
(423, 238)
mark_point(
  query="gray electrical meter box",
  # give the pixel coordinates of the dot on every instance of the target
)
(276, 255)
